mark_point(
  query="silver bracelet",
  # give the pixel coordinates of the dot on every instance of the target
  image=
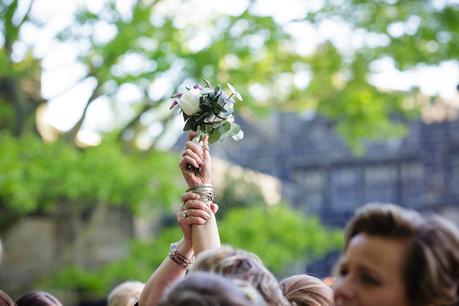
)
(206, 192)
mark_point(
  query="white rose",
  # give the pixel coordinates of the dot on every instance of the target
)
(189, 102)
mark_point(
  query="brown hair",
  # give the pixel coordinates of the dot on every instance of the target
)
(38, 298)
(205, 289)
(5, 299)
(306, 290)
(244, 265)
(386, 220)
(431, 271)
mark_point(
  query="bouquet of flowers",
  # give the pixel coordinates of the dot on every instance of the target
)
(209, 111)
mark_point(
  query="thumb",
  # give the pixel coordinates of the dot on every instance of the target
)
(214, 207)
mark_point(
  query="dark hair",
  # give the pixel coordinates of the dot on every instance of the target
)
(205, 289)
(244, 265)
(385, 220)
(5, 299)
(432, 269)
(38, 298)
(431, 272)
(306, 290)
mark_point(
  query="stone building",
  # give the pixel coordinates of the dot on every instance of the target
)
(320, 175)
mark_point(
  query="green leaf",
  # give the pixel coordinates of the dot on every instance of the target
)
(214, 136)
(225, 128)
(203, 128)
(185, 116)
(217, 109)
(189, 124)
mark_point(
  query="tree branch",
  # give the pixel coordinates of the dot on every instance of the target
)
(71, 134)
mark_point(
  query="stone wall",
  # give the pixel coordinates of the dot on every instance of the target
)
(35, 247)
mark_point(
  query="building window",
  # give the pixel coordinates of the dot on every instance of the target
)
(453, 175)
(380, 183)
(412, 174)
(310, 184)
(346, 192)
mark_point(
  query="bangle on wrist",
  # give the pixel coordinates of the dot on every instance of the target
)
(178, 258)
(205, 191)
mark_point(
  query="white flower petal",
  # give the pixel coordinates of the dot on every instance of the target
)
(239, 135)
(234, 92)
(189, 102)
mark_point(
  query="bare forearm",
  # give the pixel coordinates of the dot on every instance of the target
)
(166, 274)
(206, 236)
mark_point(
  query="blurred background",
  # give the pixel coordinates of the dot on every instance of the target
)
(345, 102)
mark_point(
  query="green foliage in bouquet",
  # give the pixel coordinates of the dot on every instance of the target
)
(209, 112)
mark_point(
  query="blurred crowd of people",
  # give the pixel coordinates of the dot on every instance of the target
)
(392, 256)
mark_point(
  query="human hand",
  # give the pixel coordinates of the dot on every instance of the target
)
(199, 158)
(193, 211)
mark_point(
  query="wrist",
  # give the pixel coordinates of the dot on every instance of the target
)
(177, 255)
(205, 192)
(185, 247)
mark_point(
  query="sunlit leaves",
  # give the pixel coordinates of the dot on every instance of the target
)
(35, 176)
(287, 236)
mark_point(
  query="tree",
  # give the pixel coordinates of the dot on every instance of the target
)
(287, 237)
(253, 52)
(19, 81)
(410, 33)
(154, 41)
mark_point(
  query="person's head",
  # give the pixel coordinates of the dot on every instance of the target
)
(38, 298)
(125, 294)
(240, 264)
(5, 299)
(393, 256)
(306, 290)
(433, 264)
(206, 289)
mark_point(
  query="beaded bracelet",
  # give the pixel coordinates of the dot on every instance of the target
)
(178, 258)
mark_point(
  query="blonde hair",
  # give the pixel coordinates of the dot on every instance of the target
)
(244, 265)
(250, 292)
(125, 294)
(306, 290)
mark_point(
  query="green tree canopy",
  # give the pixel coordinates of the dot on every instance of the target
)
(155, 41)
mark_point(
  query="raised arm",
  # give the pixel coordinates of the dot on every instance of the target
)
(180, 254)
(192, 213)
(204, 236)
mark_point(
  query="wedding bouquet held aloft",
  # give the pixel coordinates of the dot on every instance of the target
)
(209, 111)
